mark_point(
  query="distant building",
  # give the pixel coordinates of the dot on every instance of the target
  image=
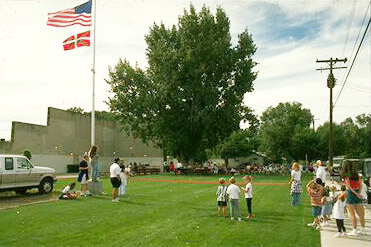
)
(66, 137)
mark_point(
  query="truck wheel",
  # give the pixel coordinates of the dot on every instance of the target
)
(46, 186)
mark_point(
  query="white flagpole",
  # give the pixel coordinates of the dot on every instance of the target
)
(93, 70)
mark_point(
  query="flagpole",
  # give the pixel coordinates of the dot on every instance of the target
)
(93, 70)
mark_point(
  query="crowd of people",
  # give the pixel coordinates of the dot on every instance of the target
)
(328, 202)
(89, 171)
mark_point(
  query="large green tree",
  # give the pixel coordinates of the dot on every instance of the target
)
(190, 98)
(363, 121)
(241, 143)
(339, 141)
(351, 138)
(285, 132)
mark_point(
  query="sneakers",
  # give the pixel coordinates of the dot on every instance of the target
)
(344, 235)
(116, 200)
(311, 224)
(338, 235)
(362, 231)
(353, 233)
(319, 228)
(239, 219)
(232, 218)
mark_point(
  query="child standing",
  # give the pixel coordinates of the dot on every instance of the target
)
(327, 207)
(315, 191)
(83, 175)
(248, 196)
(234, 196)
(295, 182)
(123, 176)
(221, 192)
(339, 215)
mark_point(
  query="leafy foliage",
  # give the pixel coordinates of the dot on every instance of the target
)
(285, 131)
(76, 110)
(104, 115)
(241, 143)
(190, 98)
(27, 153)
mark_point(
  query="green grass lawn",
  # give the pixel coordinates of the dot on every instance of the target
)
(162, 214)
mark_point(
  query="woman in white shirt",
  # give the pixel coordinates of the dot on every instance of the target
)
(295, 182)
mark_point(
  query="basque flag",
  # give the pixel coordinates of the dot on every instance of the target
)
(81, 39)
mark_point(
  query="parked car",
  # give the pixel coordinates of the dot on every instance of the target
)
(17, 173)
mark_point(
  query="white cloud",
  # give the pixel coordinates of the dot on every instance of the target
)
(36, 73)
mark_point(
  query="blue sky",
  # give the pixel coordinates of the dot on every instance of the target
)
(35, 72)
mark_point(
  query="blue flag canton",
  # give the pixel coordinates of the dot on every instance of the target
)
(84, 8)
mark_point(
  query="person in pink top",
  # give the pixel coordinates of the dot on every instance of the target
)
(353, 185)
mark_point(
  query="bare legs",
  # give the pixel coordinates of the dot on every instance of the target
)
(224, 209)
(353, 209)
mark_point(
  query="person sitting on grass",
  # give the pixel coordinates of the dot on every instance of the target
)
(234, 196)
(315, 191)
(222, 198)
(69, 192)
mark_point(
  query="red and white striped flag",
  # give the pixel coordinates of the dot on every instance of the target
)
(82, 39)
(80, 15)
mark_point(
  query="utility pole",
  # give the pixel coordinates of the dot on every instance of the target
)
(314, 119)
(330, 85)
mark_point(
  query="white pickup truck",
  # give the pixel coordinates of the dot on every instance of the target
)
(18, 174)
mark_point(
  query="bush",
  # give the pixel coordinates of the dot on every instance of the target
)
(72, 168)
(27, 153)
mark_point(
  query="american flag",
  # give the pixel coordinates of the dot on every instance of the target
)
(82, 39)
(80, 15)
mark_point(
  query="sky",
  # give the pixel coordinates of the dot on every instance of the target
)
(36, 73)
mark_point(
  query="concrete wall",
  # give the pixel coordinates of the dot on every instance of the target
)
(60, 162)
(66, 137)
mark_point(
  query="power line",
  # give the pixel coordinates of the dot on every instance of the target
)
(350, 21)
(359, 33)
(354, 59)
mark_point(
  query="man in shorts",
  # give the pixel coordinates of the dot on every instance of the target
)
(115, 179)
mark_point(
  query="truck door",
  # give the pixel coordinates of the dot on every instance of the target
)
(8, 172)
(23, 171)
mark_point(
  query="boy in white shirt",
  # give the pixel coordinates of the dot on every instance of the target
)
(248, 196)
(115, 179)
(234, 196)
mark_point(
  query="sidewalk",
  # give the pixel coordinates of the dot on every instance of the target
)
(59, 177)
(328, 233)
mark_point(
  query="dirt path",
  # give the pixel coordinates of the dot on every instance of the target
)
(202, 182)
(14, 201)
